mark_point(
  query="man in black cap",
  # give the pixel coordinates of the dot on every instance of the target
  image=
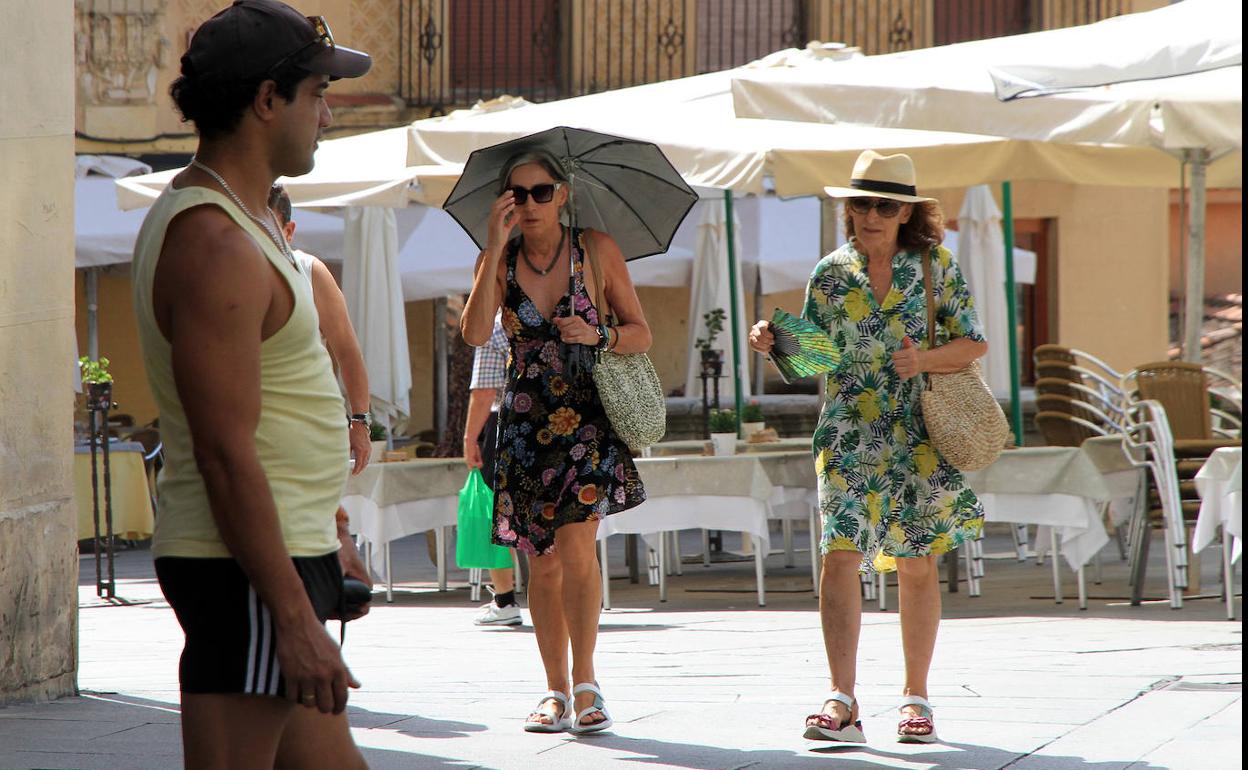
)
(254, 426)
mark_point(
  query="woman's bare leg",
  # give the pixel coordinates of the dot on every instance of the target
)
(840, 613)
(549, 626)
(582, 602)
(919, 604)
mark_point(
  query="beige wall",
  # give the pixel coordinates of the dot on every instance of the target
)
(38, 558)
(162, 29)
(1224, 243)
(1112, 280)
(119, 340)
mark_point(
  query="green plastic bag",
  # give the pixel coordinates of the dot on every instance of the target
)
(473, 547)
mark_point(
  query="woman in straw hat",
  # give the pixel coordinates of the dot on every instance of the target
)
(888, 499)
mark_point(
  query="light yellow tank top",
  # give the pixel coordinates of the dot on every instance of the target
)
(301, 439)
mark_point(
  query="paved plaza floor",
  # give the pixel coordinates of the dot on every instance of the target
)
(707, 680)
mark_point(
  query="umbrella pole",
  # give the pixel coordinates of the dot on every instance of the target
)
(1194, 303)
(734, 314)
(1011, 312)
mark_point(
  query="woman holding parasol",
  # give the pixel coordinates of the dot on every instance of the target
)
(560, 465)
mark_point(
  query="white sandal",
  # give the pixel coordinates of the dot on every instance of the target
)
(560, 723)
(920, 722)
(825, 727)
(577, 728)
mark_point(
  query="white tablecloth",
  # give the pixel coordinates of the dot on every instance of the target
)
(1220, 486)
(1060, 487)
(737, 493)
(388, 501)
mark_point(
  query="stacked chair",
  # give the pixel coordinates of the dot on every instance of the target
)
(1171, 416)
(1200, 417)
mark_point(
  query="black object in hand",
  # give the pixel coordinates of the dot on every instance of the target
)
(355, 594)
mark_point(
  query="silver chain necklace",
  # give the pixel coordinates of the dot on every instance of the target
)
(278, 240)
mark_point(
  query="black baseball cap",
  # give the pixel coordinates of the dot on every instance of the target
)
(251, 38)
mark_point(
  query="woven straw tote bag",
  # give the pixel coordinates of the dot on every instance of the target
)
(964, 421)
(627, 383)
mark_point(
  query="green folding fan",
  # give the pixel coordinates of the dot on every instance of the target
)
(802, 349)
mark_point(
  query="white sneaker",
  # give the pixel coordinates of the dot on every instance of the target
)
(493, 615)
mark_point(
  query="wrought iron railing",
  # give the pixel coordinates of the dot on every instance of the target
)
(456, 52)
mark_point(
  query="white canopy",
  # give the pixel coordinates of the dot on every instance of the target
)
(693, 121)
(1169, 78)
(364, 170)
(104, 234)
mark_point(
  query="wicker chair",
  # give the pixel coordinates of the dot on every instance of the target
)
(1183, 389)
(1065, 429)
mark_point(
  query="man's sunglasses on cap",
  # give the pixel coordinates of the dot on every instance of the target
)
(885, 207)
(324, 38)
(542, 193)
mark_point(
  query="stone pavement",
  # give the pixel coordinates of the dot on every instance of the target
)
(707, 680)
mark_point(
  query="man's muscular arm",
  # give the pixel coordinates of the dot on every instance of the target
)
(219, 291)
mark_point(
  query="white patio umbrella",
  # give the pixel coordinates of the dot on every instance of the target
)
(373, 290)
(712, 289)
(981, 255)
(1169, 80)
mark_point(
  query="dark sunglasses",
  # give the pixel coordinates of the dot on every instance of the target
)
(542, 193)
(324, 37)
(885, 207)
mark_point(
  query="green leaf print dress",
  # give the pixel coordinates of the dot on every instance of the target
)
(884, 490)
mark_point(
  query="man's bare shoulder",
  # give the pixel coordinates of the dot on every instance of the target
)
(206, 253)
(207, 238)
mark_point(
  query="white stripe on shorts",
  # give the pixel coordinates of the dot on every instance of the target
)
(252, 640)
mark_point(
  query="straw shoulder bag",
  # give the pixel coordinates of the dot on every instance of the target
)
(964, 421)
(627, 383)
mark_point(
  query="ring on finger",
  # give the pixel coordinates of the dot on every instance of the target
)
(308, 698)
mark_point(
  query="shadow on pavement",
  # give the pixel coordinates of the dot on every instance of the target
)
(950, 756)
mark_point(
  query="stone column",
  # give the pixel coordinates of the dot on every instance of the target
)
(38, 556)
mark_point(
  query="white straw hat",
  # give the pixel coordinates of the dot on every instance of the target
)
(880, 176)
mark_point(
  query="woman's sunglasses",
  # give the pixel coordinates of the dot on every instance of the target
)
(542, 193)
(885, 207)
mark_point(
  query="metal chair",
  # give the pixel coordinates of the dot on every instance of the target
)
(1149, 444)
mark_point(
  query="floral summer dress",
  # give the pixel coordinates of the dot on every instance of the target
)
(558, 462)
(884, 490)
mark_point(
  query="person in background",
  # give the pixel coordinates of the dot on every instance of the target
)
(340, 341)
(336, 331)
(489, 377)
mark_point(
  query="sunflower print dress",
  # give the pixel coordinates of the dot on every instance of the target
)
(558, 459)
(884, 490)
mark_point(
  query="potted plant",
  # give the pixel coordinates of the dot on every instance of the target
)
(751, 419)
(723, 429)
(712, 358)
(98, 381)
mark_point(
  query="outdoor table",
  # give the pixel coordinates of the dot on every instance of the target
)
(387, 501)
(738, 493)
(697, 446)
(1059, 488)
(132, 499)
(1220, 486)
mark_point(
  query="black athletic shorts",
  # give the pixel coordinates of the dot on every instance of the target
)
(488, 441)
(230, 645)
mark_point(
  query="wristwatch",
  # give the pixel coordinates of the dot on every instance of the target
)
(361, 418)
(604, 337)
